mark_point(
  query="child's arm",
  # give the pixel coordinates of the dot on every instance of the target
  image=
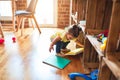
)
(79, 44)
(55, 40)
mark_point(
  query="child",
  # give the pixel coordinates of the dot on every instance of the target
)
(62, 39)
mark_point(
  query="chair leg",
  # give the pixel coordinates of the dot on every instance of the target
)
(36, 23)
(31, 22)
(1, 31)
(22, 28)
(19, 21)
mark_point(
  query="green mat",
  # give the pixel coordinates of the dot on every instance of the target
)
(57, 61)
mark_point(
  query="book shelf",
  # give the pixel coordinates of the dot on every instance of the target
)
(111, 58)
(101, 15)
(106, 61)
(96, 44)
(113, 64)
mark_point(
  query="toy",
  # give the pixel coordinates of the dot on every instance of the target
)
(104, 41)
(74, 16)
(14, 39)
(92, 76)
(102, 35)
(1, 40)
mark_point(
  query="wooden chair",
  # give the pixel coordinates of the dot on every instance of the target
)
(21, 15)
(1, 31)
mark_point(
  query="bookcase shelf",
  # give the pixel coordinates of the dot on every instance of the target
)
(109, 61)
(96, 44)
(101, 15)
(113, 64)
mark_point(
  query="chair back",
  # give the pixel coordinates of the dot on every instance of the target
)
(32, 6)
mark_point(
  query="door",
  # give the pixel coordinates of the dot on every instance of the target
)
(46, 13)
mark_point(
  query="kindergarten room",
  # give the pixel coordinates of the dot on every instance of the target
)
(59, 39)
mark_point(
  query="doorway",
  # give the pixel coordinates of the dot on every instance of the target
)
(46, 13)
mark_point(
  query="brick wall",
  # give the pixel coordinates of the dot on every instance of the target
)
(21, 4)
(63, 13)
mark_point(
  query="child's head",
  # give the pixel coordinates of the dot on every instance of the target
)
(73, 31)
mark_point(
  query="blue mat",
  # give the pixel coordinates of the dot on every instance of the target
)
(57, 61)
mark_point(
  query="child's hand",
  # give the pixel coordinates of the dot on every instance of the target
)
(51, 48)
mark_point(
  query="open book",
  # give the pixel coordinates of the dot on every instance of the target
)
(75, 51)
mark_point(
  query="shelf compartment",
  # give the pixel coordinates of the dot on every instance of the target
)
(96, 44)
(113, 63)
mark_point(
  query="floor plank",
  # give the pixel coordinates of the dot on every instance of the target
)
(22, 60)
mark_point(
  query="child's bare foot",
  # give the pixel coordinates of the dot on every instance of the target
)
(60, 54)
(65, 50)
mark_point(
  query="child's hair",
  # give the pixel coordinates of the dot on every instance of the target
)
(74, 30)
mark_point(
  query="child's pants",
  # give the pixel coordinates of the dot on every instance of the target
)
(61, 45)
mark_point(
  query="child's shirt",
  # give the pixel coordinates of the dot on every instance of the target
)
(62, 35)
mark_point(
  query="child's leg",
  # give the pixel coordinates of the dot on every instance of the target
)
(64, 44)
(58, 46)
(63, 47)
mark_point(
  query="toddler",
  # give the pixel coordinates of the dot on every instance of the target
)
(62, 39)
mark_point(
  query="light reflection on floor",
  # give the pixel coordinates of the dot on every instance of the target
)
(26, 56)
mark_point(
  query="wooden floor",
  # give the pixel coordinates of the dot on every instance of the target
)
(22, 60)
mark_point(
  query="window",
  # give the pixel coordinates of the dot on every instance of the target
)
(5, 10)
(46, 12)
